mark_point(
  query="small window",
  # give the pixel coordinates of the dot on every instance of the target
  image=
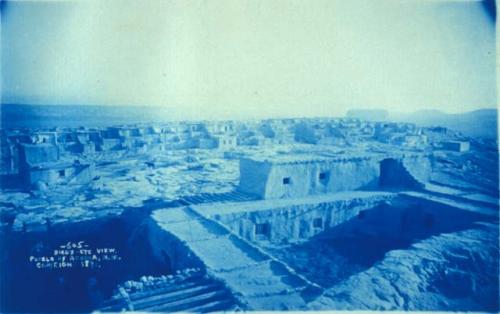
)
(262, 229)
(318, 223)
(323, 176)
(62, 173)
(286, 180)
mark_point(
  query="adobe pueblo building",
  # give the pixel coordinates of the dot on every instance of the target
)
(297, 176)
(294, 214)
(40, 166)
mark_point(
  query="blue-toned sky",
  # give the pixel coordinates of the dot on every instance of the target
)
(235, 58)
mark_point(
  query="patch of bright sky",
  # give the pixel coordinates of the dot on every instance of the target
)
(251, 58)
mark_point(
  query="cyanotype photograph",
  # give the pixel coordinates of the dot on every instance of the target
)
(204, 156)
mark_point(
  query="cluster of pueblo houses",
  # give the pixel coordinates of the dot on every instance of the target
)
(42, 156)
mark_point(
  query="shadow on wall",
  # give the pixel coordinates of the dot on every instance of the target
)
(407, 220)
(11, 181)
(404, 173)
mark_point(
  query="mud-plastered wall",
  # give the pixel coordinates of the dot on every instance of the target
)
(295, 222)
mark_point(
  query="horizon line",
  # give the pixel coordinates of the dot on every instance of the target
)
(166, 107)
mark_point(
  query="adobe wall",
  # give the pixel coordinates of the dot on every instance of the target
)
(35, 154)
(344, 175)
(297, 222)
(268, 180)
(162, 242)
(253, 177)
(48, 176)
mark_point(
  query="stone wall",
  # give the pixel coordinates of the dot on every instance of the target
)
(296, 222)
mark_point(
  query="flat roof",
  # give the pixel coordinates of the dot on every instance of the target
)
(264, 205)
(284, 159)
(56, 165)
(39, 145)
(302, 159)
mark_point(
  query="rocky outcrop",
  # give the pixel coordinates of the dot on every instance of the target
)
(452, 272)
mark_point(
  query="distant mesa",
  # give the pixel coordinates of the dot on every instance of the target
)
(368, 114)
(478, 123)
